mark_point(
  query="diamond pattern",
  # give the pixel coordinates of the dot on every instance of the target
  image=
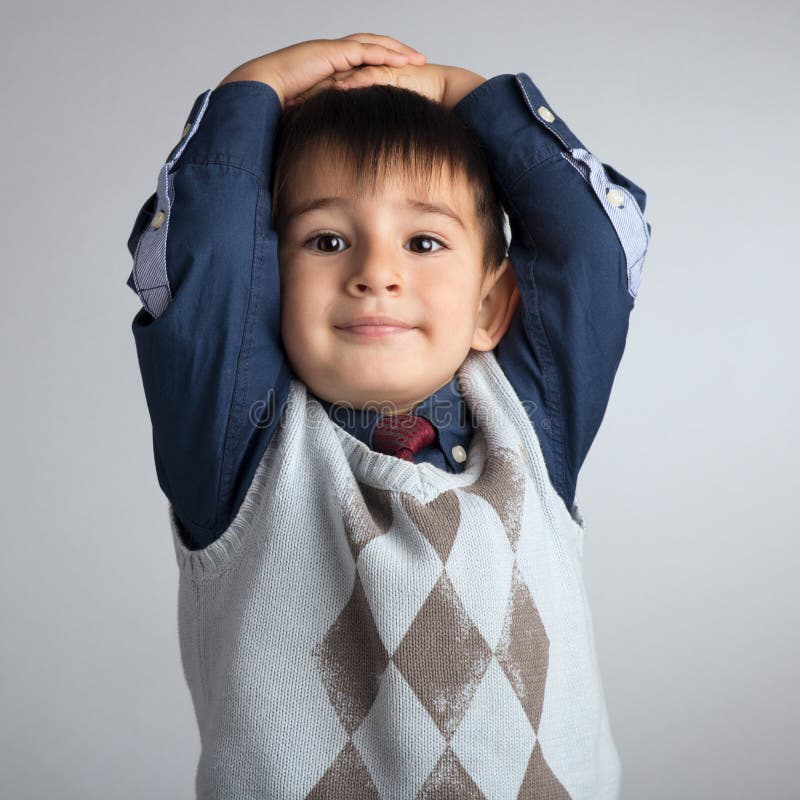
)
(346, 777)
(450, 781)
(496, 748)
(361, 526)
(502, 485)
(438, 520)
(539, 782)
(425, 665)
(398, 763)
(351, 659)
(524, 649)
(403, 566)
(480, 567)
(443, 636)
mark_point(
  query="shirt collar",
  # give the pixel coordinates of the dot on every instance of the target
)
(446, 409)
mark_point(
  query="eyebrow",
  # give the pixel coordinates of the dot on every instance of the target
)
(418, 205)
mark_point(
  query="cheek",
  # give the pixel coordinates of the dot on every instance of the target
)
(297, 293)
(451, 302)
(292, 304)
(305, 306)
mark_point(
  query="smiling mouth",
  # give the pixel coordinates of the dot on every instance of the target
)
(375, 331)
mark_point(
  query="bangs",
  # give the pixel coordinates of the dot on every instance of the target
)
(367, 166)
(422, 174)
(380, 134)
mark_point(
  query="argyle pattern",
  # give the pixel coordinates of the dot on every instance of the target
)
(434, 669)
(370, 627)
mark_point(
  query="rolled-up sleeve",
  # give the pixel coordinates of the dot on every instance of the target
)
(208, 334)
(578, 243)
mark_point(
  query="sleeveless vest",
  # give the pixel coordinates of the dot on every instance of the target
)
(368, 627)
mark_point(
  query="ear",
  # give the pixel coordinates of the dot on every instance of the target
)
(500, 298)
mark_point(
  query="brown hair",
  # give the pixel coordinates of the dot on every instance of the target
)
(384, 130)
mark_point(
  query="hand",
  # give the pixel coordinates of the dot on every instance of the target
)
(292, 70)
(443, 84)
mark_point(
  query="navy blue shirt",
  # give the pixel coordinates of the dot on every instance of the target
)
(205, 267)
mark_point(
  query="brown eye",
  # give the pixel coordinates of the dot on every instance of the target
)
(428, 248)
(326, 236)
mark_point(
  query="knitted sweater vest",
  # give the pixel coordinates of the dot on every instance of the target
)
(368, 627)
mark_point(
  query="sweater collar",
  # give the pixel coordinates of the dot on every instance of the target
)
(446, 409)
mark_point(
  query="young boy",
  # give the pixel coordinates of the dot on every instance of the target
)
(380, 558)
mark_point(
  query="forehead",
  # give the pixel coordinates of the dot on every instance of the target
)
(317, 177)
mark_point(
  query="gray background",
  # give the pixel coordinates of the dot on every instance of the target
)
(691, 549)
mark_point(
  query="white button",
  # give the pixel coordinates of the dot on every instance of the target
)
(615, 197)
(186, 129)
(459, 453)
(158, 219)
(545, 113)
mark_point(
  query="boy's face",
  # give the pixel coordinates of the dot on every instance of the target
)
(379, 255)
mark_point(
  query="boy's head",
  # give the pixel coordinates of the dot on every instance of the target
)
(392, 157)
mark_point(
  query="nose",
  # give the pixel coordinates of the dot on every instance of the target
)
(376, 269)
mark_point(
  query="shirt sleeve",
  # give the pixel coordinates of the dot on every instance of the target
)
(207, 336)
(578, 242)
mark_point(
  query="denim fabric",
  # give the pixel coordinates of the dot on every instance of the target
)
(575, 256)
(213, 367)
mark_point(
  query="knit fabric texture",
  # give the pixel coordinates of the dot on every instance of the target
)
(368, 627)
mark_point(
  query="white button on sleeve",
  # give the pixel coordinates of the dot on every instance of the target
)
(150, 277)
(620, 207)
(615, 197)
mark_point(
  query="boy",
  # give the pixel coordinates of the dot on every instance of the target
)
(379, 553)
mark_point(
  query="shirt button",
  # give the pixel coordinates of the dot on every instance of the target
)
(459, 453)
(615, 197)
(545, 113)
(158, 220)
(186, 129)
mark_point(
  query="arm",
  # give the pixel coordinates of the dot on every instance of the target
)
(578, 245)
(208, 334)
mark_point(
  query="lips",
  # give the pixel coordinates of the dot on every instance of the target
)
(374, 321)
(372, 327)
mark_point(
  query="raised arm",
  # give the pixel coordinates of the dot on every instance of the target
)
(578, 245)
(208, 333)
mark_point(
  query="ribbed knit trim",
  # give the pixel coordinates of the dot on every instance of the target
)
(215, 558)
(424, 481)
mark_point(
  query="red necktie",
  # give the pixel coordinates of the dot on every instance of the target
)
(402, 435)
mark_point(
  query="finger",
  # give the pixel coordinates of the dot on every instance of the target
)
(367, 76)
(354, 54)
(390, 43)
(377, 54)
(344, 74)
